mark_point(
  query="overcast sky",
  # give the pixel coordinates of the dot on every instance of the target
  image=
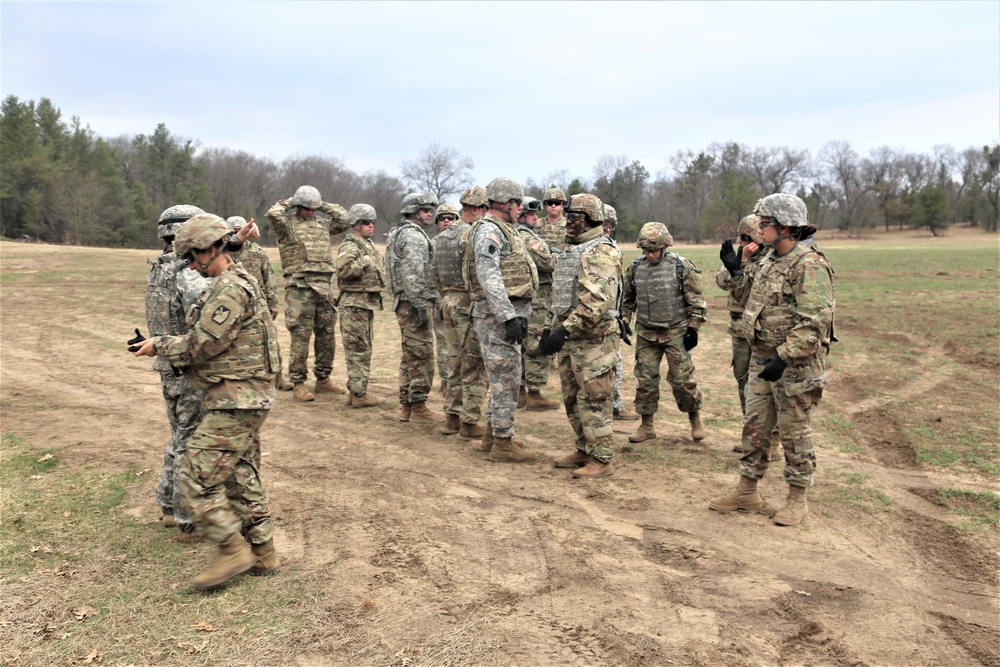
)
(523, 88)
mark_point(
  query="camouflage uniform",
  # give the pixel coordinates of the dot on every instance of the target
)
(230, 355)
(172, 288)
(360, 279)
(554, 234)
(408, 255)
(586, 293)
(789, 312)
(307, 264)
(667, 299)
(502, 281)
(536, 368)
(255, 260)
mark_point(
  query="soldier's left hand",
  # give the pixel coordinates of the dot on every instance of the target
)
(133, 343)
(145, 349)
(515, 330)
(774, 368)
(554, 342)
(690, 339)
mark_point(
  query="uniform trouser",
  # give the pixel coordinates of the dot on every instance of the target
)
(356, 333)
(680, 375)
(587, 376)
(416, 363)
(465, 377)
(617, 401)
(184, 412)
(741, 368)
(768, 404)
(503, 368)
(220, 479)
(536, 368)
(440, 343)
(308, 312)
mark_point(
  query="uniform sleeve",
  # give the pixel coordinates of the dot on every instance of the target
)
(598, 291)
(487, 243)
(814, 307)
(414, 254)
(218, 326)
(270, 282)
(338, 217)
(723, 279)
(350, 262)
(277, 217)
(693, 296)
(628, 294)
(189, 285)
(540, 254)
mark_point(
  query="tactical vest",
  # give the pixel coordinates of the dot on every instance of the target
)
(519, 275)
(373, 277)
(254, 353)
(544, 277)
(554, 235)
(565, 279)
(448, 257)
(307, 248)
(164, 310)
(659, 291)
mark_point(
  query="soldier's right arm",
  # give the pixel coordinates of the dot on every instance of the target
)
(628, 293)
(413, 251)
(278, 217)
(338, 217)
(350, 262)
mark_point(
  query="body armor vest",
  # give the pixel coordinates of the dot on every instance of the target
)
(659, 292)
(520, 278)
(164, 309)
(254, 353)
(565, 279)
(308, 248)
(373, 277)
(393, 260)
(544, 277)
(448, 257)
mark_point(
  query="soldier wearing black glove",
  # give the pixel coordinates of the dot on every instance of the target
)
(774, 368)
(731, 258)
(553, 341)
(515, 330)
(690, 339)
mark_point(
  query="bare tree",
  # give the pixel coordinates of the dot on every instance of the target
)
(776, 168)
(883, 175)
(846, 170)
(385, 193)
(438, 169)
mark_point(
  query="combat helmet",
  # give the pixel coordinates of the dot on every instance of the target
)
(530, 205)
(172, 218)
(307, 197)
(415, 201)
(199, 233)
(788, 210)
(654, 236)
(474, 196)
(236, 222)
(751, 227)
(586, 203)
(361, 213)
(554, 194)
(446, 209)
(503, 189)
(610, 214)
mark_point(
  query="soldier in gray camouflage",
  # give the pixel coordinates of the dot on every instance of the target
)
(172, 288)
(586, 296)
(307, 263)
(664, 292)
(229, 354)
(408, 257)
(361, 279)
(621, 413)
(788, 319)
(535, 374)
(502, 281)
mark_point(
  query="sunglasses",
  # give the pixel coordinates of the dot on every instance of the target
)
(366, 222)
(426, 210)
(553, 202)
(447, 218)
(576, 217)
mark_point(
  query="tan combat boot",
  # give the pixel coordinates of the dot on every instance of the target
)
(452, 425)
(746, 497)
(168, 521)
(233, 558)
(189, 535)
(420, 413)
(645, 432)
(505, 451)
(267, 562)
(522, 398)
(486, 444)
(327, 386)
(577, 459)
(795, 508)
(282, 384)
(697, 430)
(625, 415)
(365, 400)
(471, 431)
(595, 469)
(300, 393)
(535, 402)
(404, 412)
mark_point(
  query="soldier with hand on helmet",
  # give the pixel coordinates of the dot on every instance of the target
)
(230, 355)
(664, 292)
(788, 322)
(307, 264)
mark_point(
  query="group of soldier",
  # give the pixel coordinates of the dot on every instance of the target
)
(504, 291)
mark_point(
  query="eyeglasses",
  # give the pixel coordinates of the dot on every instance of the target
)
(765, 223)
(576, 216)
(553, 202)
(447, 218)
(426, 210)
(745, 238)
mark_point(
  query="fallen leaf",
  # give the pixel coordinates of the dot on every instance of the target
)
(35, 477)
(205, 627)
(47, 457)
(92, 658)
(142, 472)
(66, 513)
(803, 593)
(84, 611)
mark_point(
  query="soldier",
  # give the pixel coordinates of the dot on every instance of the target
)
(789, 322)
(502, 281)
(585, 297)
(664, 291)
(621, 413)
(258, 264)
(172, 288)
(535, 373)
(307, 264)
(408, 255)
(230, 355)
(444, 216)
(552, 229)
(361, 279)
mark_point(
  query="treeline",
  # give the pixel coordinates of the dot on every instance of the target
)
(60, 183)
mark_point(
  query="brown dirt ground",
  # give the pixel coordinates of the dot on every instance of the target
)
(420, 541)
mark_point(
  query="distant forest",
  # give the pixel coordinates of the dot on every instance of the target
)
(60, 183)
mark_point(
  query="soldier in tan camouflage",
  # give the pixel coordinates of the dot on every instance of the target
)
(584, 331)
(361, 279)
(552, 228)
(789, 322)
(664, 292)
(621, 413)
(230, 355)
(307, 264)
(444, 216)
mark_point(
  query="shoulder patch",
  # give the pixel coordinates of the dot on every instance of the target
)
(221, 314)
(494, 239)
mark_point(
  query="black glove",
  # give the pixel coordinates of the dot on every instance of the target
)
(625, 330)
(422, 317)
(135, 343)
(515, 330)
(774, 368)
(690, 339)
(553, 341)
(731, 258)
